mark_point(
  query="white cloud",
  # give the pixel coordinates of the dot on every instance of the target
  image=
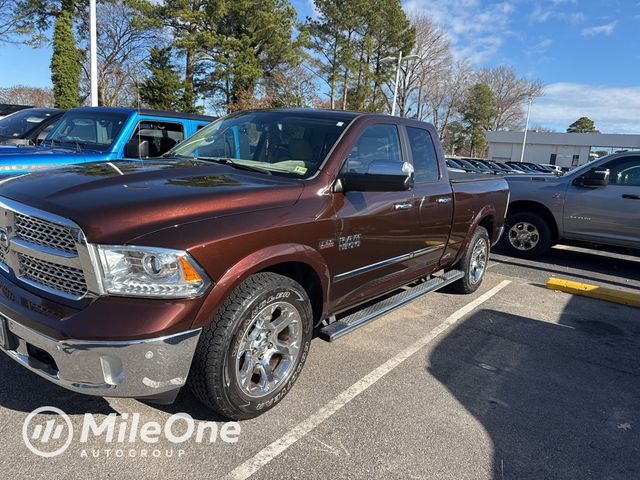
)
(540, 47)
(614, 110)
(543, 13)
(476, 29)
(606, 29)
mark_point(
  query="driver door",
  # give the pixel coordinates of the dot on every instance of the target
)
(608, 214)
(377, 231)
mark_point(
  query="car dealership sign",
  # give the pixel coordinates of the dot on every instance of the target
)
(49, 432)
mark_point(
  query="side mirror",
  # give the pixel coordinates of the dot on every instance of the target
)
(381, 176)
(593, 178)
(137, 148)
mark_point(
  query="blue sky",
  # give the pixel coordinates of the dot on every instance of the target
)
(586, 52)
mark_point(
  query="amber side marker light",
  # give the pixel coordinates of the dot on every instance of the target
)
(190, 274)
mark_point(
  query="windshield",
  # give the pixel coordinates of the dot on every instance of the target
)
(20, 123)
(283, 143)
(95, 130)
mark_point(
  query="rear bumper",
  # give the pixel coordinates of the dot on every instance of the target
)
(138, 368)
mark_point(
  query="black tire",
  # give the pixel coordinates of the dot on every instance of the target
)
(214, 378)
(473, 273)
(540, 235)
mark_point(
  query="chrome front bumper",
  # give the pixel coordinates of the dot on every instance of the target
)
(137, 369)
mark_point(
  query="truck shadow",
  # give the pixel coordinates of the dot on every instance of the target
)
(24, 391)
(558, 402)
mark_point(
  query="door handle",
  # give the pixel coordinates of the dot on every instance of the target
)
(631, 197)
(403, 206)
(443, 200)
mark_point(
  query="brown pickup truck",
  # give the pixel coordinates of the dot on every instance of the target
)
(216, 265)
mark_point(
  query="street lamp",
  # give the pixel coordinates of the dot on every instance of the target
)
(399, 58)
(526, 127)
(93, 53)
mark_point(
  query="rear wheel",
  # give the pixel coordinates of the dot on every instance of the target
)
(474, 262)
(527, 235)
(248, 359)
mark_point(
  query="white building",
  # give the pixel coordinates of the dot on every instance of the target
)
(564, 149)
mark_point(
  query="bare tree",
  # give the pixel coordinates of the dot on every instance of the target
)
(23, 95)
(292, 86)
(421, 74)
(444, 95)
(511, 93)
(123, 45)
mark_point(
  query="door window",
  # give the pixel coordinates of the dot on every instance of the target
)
(624, 171)
(43, 134)
(377, 142)
(425, 160)
(161, 136)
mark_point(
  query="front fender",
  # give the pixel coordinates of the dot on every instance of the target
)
(256, 262)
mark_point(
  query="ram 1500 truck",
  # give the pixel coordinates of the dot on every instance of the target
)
(103, 134)
(597, 203)
(214, 265)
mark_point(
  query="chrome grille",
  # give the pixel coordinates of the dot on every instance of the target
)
(46, 234)
(45, 251)
(57, 277)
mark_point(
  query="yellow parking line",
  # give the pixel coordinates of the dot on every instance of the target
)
(594, 291)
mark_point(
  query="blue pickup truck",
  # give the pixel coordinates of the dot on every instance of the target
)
(103, 134)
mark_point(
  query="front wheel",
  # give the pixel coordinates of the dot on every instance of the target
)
(248, 359)
(474, 262)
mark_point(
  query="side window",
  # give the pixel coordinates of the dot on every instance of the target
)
(624, 171)
(44, 132)
(161, 136)
(425, 160)
(377, 142)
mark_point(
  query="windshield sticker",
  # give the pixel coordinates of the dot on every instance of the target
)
(300, 169)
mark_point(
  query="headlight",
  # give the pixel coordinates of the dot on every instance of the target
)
(150, 272)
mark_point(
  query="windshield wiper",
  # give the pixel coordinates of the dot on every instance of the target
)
(240, 166)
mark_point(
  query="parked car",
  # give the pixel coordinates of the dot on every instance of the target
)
(557, 169)
(211, 266)
(29, 126)
(498, 168)
(525, 167)
(470, 167)
(597, 203)
(103, 134)
(454, 166)
(7, 109)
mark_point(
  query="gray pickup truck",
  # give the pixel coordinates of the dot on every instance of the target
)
(597, 203)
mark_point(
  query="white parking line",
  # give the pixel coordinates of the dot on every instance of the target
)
(271, 451)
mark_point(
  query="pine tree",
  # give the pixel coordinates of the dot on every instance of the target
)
(583, 125)
(478, 112)
(65, 61)
(162, 89)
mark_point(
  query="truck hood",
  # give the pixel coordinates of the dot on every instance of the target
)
(115, 202)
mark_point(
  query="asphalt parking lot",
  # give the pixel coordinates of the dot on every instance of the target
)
(513, 382)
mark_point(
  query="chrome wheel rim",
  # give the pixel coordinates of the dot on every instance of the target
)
(524, 236)
(269, 349)
(479, 259)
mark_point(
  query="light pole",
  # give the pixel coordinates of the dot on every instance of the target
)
(93, 53)
(526, 127)
(400, 58)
